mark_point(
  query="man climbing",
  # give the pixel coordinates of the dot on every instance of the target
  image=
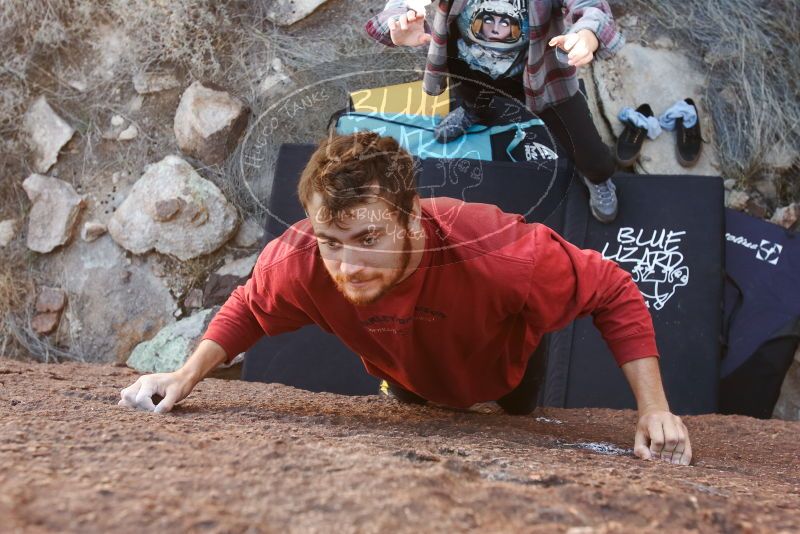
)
(517, 49)
(446, 301)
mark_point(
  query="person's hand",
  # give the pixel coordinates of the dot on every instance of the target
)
(581, 46)
(172, 387)
(662, 436)
(409, 29)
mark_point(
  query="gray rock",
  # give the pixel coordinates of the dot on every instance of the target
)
(92, 230)
(51, 299)
(788, 405)
(55, 211)
(115, 303)
(208, 123)
(768, 189)
(8, 230)
(787, 216)
(240, 268)
(659, 77)
(128, 133)
(287, 12)
(170, 348)
(249, 234)
(194, 299)
(205, 220)
(155, 82)
(737, 200)
(45, 323)
(46, 133)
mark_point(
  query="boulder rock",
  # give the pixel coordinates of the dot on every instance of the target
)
(128, 133)
(8, 230)
(787, 216)
(788, 405)
(154, 82)
(194, 299)
(221, 283)
(249, 234)
(45, 323)
(46, 133)
(240, 268)
(659, 77)
(170, 348)
(208, 123)
(287, 12)
(737, 200)
(55, 211)
(115, 301)
(173, 210)
(92, 230)
(51, 299)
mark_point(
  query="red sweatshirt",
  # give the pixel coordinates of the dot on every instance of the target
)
(461, 328)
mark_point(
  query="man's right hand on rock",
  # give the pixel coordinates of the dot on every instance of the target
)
(171, 387)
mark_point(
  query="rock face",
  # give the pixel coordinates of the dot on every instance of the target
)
(55, 211)
(287, 12)
(333, 463)
(46, 133)
(638, 75)
(173, 210)
(208, 123)
(8, 229)
(788, 405)
(115, 302)
(172, 345)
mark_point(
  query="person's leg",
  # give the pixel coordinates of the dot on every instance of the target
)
(523, 399)
(571, 124)
(403, 395)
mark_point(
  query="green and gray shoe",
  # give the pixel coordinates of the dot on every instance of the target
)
(454, 125)
(603, 200)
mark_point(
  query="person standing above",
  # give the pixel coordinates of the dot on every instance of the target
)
(445, 300)
(522, 50)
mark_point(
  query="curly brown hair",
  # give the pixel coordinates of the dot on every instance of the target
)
(349, 170)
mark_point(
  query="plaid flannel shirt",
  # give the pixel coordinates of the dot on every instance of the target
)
(547, 82)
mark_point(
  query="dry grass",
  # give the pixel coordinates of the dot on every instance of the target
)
(751, 51)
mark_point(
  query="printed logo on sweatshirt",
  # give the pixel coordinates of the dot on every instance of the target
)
(654, 259)
(394, 324)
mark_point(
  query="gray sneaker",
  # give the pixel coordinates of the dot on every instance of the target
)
(603, 200)
(454, 125)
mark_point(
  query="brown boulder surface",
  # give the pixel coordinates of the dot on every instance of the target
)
(248, 457)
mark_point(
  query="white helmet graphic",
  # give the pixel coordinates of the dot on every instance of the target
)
(497, 24)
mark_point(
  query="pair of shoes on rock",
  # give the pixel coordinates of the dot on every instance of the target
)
(683, 118)
(640, 124)
(455, 124)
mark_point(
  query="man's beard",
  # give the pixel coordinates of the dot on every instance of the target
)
(340, 281)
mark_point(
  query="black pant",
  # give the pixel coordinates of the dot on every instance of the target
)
(570, 122)
(521, 400)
